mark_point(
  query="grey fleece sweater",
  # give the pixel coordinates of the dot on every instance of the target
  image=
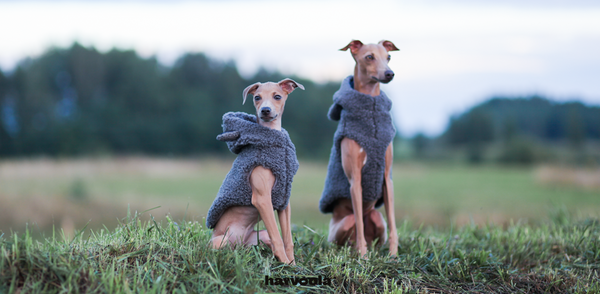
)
(255, 145)
(366, 120)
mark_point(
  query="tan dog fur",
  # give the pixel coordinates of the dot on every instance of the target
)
(236, 226)
(354, 219)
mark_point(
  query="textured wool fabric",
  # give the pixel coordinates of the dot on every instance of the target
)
(255, 145)
(366, 120)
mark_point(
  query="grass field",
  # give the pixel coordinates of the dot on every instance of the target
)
(462, 229)
(562, 256)
(72, 193)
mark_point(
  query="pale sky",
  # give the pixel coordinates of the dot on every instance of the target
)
(453, 54)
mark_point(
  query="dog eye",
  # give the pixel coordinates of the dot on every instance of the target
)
(370, 57)
(277, 97)
(257, 98)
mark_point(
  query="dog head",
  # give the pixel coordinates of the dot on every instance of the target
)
(269, 98)
(372, 59)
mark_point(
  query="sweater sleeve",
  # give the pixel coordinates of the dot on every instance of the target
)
(334, 112)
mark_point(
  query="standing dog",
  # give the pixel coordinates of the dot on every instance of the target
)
(359, 173)
(261, 176)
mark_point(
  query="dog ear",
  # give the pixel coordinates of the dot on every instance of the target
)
(288, 85)
(250, 90)
(354, 46)
(389, 46)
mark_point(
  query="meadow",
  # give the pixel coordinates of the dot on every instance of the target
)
(72, 193)
(135, 225)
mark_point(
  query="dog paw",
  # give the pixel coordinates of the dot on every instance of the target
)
(362, 252)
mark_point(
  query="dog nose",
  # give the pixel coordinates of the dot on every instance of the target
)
(389, 74)
(265, 110)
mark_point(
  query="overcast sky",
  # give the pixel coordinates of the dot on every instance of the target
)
(453, 53)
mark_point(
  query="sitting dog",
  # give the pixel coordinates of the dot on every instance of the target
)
(260, 179)
(359, 178)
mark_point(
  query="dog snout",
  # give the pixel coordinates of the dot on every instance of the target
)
(389, 75)
(265, 111)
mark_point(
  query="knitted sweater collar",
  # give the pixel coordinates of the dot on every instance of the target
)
(251, 133)
(347, 90)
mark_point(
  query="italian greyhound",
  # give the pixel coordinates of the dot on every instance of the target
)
(354, 219)
(236, 225)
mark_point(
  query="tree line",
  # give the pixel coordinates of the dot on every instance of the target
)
(522, 130)
(502, 118)
(79, 101)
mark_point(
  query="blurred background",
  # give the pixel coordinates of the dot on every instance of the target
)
(110, 105)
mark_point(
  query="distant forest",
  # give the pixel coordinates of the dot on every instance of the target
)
(501, 118)
(78, 101)
(522, 130)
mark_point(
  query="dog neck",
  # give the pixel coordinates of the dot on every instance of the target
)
(274, 124)
(365, 84)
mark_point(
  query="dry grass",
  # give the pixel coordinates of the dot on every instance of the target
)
(586, 178)
(88, 167)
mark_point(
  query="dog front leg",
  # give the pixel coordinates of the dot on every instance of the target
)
(286, 232)
(357, 207)
(388, 200)
(353, 158)
(262, 181)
